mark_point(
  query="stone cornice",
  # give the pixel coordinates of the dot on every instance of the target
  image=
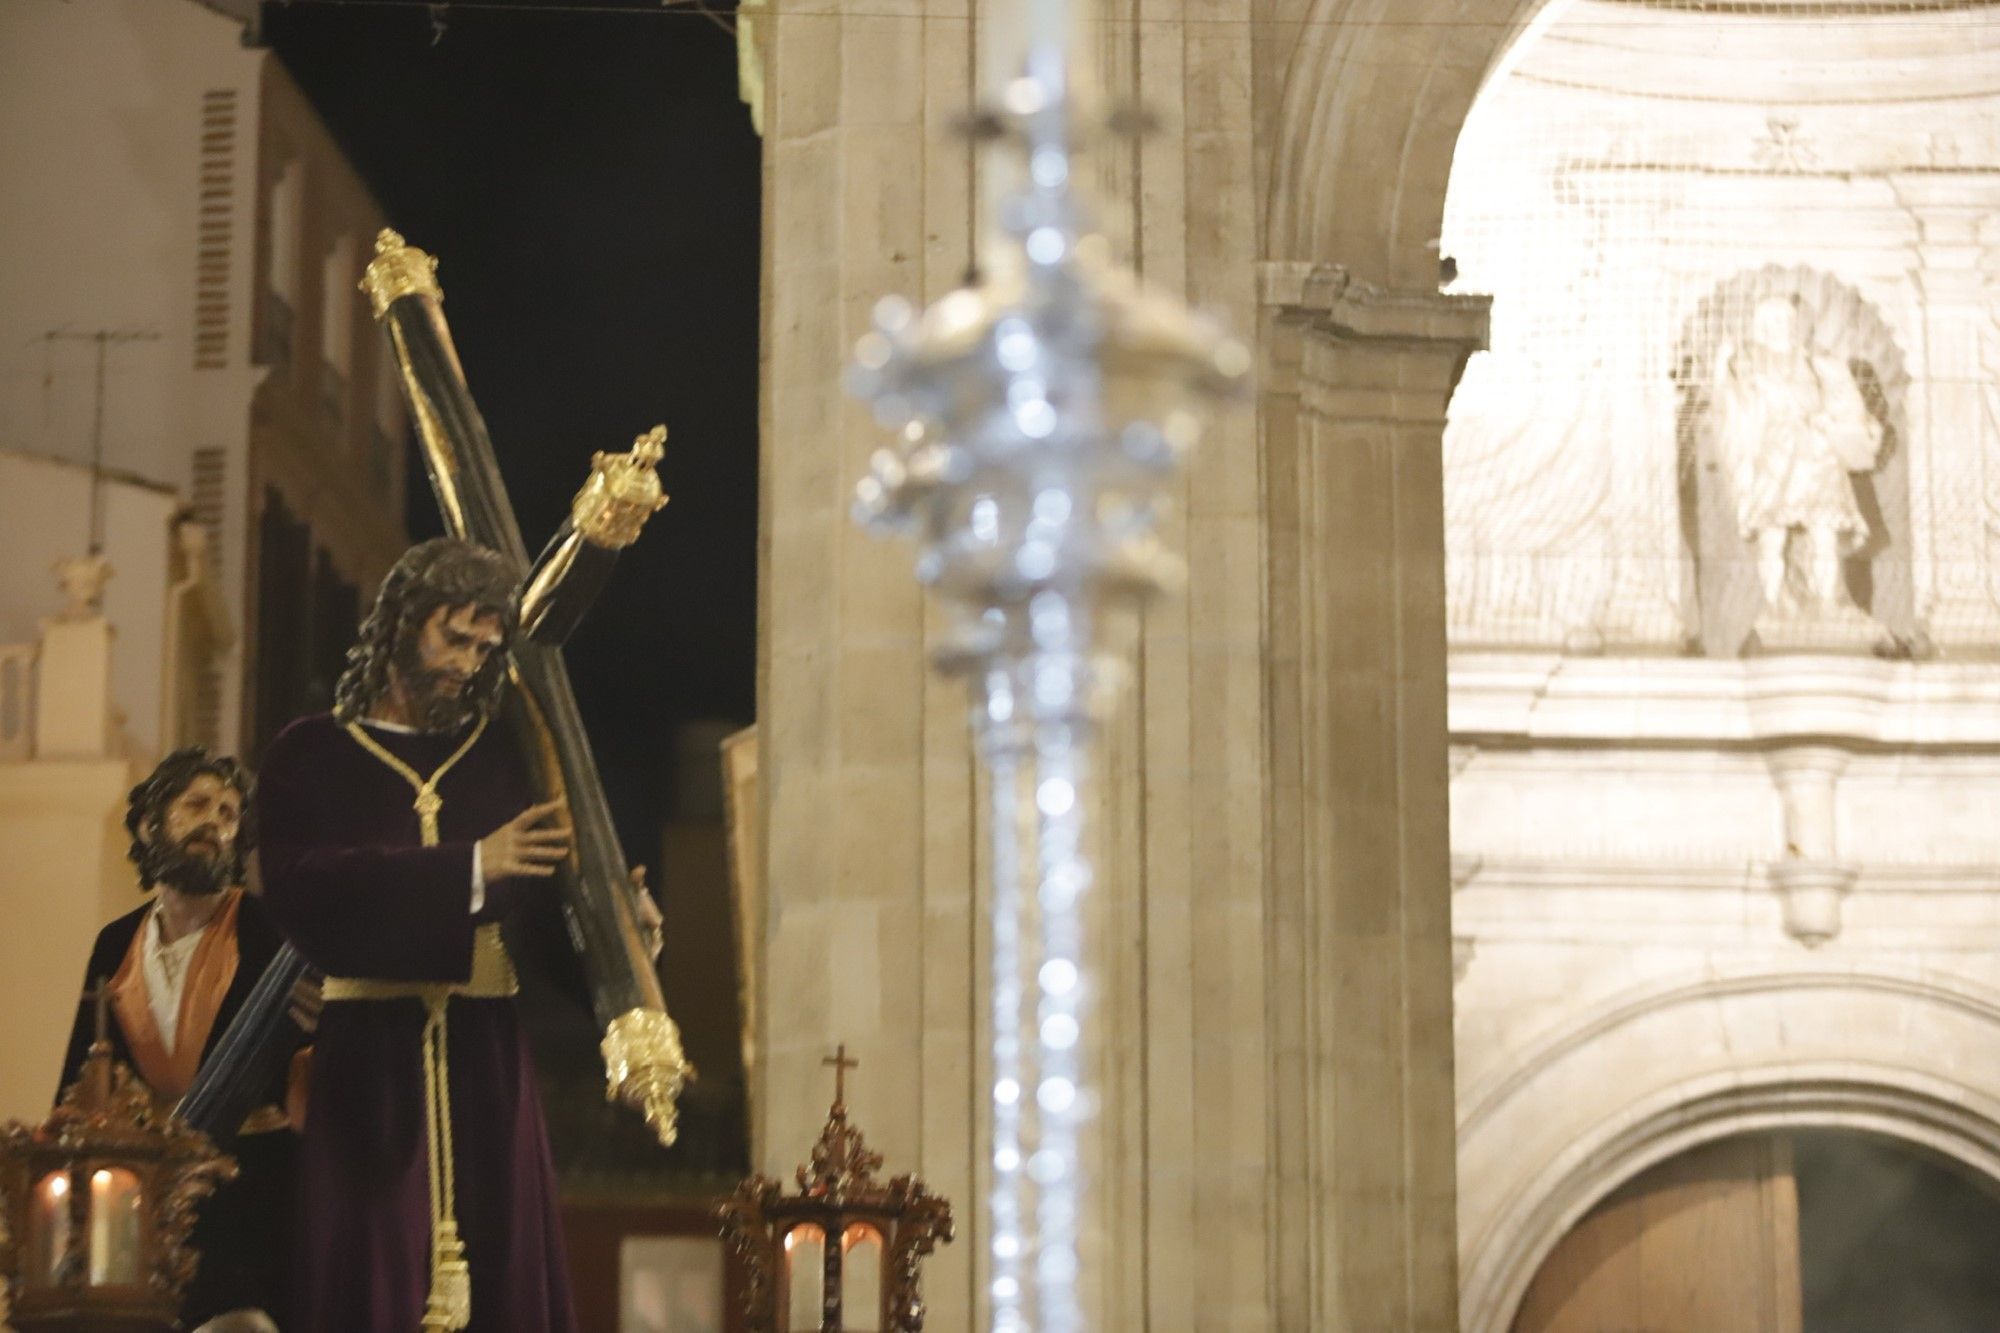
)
(1494, 873)
(1529, 698)
(1327, 298)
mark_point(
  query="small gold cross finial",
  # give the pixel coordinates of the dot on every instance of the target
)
(651, 447)
(841, 1064)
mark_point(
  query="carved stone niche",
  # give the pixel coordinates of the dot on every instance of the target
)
(1838, 330)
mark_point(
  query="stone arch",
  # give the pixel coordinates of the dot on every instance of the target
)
(1375, 93)
(1584, 1109)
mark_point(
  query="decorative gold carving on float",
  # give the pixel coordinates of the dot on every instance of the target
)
(838, 1189)
(106, 1146)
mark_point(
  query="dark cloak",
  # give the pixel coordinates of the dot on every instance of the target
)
(347, 877)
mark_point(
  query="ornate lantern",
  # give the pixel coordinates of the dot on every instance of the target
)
(841, 1255)
(99, 1200)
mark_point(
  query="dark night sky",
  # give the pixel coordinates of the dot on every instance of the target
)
(590, 184)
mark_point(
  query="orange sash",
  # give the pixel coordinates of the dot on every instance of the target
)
(210, 972)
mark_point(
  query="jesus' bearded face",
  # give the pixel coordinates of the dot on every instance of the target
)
(192, 845)
(436, 666)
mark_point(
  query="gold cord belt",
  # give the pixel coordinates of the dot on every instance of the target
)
(492, 978)
(450, 1303)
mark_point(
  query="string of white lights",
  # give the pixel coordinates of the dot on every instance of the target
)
(1059, 1090)
(1005, 1206)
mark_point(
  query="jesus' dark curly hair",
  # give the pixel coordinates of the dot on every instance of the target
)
(146, 806)
(441, 572)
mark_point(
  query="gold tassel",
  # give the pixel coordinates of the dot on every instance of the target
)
(450, 1305)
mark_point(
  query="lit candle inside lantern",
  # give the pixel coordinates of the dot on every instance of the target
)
(52, 1231)
(805, 1279)
(114, 1227)
(861, 1280)
(100, 1226)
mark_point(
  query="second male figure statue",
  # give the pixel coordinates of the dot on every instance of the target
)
(180, 968)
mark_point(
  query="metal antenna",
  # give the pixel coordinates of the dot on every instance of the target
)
(104, 338)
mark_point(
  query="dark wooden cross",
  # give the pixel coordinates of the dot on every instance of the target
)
(841, 1064)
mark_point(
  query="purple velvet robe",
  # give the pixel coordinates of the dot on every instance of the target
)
(348, 880)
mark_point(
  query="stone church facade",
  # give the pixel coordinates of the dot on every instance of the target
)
(1445, 894)
(1715, 872)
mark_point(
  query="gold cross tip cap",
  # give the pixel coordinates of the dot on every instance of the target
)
(651, 447)
(622, 493)
(398, 270)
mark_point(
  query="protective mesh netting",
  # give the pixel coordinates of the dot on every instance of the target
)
(1745, 268)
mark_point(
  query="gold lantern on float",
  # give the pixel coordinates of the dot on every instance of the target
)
(841, 1255)
(98, 1202)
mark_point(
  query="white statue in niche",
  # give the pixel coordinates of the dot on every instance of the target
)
(1788, 426)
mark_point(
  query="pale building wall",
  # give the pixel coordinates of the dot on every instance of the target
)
(1697, 895)
(101, 137)
(327, 426)
(121, 142)
(1651, 952)
(65, 875)
(127, 136)
(1623, 173)
(143, 144)
(44, 508)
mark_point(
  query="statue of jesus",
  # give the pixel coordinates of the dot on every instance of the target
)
(1788, 425)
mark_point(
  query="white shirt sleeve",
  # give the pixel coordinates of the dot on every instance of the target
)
(478, 883)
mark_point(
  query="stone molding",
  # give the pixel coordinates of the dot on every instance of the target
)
(1329, 299)
(1361, 137)
(1489, 873)
(1357, 352)
(1520, 1197)
(1590, 1023)
(1551, 698)
(1807, 717)
(1939, 1114)
(1811, 892)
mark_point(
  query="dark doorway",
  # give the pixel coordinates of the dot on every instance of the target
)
(1892, 1237)
(1820, 1231)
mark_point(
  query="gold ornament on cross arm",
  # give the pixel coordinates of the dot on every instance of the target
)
(622, 493)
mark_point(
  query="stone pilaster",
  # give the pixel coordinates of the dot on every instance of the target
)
(1185, 203)
(1952, 461)
(869, 935)
(1360, 879)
